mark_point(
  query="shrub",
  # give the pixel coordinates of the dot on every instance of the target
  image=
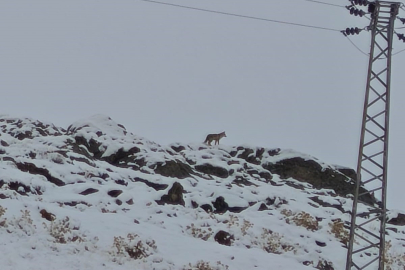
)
(201, 265)
(63, 231)
(273, 242)
(340, 232)
(132, 247)
(392, 258)
(302, 219)
(2, 212)
(24, 224)
(201, 233)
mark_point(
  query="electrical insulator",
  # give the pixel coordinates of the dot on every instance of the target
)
(357, 12)
(371, 7)
(352, 31)
(360, 2)
(401, 37)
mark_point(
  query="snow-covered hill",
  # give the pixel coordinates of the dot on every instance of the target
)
(96, 196)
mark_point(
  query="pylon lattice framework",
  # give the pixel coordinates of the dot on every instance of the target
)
(366, 248)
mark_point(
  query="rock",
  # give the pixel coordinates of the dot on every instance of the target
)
(173, 168)
(31, 168)
(151, 184)
(253, 156)
(326, 204)
(263, 207)
(121, 155)
(92, 146)
(224, 238)
(114, 193)
(121, 182)
(174, 196)
(321, 244)
(3, 143)
(88, 191)
(178, 148)
(399, 220)
(220, 205)
(313, 173)
(47, 215)
(212, 170)
(207, 208)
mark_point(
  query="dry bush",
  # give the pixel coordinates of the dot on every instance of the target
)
(201, 265)
(273, 242)
(392, 259)
(63, 231)
(340, 232)
(324, 265)
(2, 212)
(302, 219)
(201, 233)
(24, 224)
(132, 247)
(246, 226)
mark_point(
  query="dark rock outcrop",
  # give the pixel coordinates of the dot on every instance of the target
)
(220, 205)
(88, 191)
(47, 215)
(31, 168)
(312, 172)
(174, 196)
(224, 238)
(212, 170)
(173, 168)
(398, 221)
(114, 193)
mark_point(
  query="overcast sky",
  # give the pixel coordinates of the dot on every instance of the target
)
(174, 75)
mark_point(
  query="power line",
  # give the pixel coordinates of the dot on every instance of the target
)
(241, 16)
(257, 18)
(324, 3)
(366, 54)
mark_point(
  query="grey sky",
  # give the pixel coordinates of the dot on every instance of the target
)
(174, 75)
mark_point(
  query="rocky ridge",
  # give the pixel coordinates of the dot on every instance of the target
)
(96, 164)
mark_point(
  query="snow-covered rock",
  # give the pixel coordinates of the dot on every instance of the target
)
(96, 196)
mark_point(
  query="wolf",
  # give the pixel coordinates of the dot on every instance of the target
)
(214, 137)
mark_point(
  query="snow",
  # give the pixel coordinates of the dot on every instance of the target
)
(173, 236)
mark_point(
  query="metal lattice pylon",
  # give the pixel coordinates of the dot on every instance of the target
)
(366, 246)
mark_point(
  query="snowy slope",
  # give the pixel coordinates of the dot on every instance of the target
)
(95, 196)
